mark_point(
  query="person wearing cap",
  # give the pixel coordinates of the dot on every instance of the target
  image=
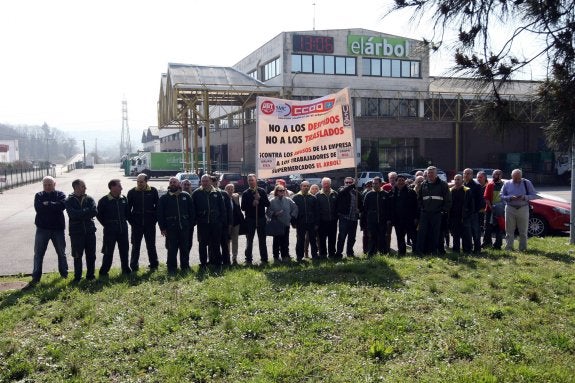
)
(348, 204)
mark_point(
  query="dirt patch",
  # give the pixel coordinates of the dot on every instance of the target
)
(14, 285)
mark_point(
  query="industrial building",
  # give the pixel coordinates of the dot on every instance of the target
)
(403, 117)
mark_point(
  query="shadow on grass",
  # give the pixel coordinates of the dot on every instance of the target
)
(374, 272)
(553, 255)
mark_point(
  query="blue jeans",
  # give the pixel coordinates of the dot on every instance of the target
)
(43, 236)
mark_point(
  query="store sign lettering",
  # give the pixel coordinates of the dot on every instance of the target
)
(377, 46)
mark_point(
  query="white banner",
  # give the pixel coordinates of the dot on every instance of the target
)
(304, 136)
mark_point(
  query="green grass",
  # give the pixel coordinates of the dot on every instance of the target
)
(496, 318)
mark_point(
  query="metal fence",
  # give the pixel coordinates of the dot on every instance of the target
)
(17, 177)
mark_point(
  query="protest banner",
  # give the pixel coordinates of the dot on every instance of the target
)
(302, 137)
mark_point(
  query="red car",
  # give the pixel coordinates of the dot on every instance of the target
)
(548, 214)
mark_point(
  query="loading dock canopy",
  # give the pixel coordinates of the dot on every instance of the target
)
(185, 87)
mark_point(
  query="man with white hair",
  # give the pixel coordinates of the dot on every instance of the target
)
(516, 194)
(50, 226)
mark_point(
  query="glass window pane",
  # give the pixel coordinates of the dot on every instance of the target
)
(307, 64)
(376, 67)
(296, 63)
(317, 64)
(340, 65)
(329, 64)
(350, 65)
(386, 68)
(415, 69)
(366, 69)
(395, 68)
(405, 69)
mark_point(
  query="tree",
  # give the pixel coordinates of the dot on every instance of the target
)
(494, 61)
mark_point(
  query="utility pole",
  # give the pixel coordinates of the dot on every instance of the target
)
(125, 145)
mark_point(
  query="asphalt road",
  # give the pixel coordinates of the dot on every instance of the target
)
(17, 221)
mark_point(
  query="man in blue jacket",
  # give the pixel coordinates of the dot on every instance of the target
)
(50, 226)
(81, 209)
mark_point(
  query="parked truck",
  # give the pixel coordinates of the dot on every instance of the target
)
(157, 164)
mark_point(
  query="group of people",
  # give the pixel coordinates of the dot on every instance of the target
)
(423, 212)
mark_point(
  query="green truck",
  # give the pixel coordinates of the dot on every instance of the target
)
(157, 164)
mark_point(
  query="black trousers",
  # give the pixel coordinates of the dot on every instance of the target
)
(84, 244)
(405, 229)
(377, 239)
(347, 229)
(209, 236)
(301, 230)
(110, 240)
(327, 230)
(178, 240)
(280, 245)
(148, 232)
(256, 226)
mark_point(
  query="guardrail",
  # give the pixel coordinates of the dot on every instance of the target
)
(17, 177)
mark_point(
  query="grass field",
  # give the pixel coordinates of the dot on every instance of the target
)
(501, 317)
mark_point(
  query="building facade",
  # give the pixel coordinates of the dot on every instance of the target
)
(403, 117)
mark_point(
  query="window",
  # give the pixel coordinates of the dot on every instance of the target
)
(253, 74)
(391, 68)
(272, 69)
(320, 64)
(388, 107)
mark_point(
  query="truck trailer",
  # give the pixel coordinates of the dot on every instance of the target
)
(157, 164)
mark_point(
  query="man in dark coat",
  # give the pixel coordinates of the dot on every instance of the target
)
(327, 229)
(211, 218)
(348, 203)
(404, 214)
(81, 209)
(377, 209)
(175, 216)
(113, 214)
(50, 226)
(306, 221)
(460, 215)
(254, 203)
(143, 205)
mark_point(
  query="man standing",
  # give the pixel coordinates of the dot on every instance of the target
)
(367, 187)
(186, 185)
(348, 204)
(433, 199)
(482, 181)
(376, 208)
(50, 226)
(254, 203)
(516, 194)
(211, 218)
(306, 221)
(81, 209)
(142, 207)
(175, 217)
(478, 202)
(404, 214)
(327, 229)
(460, 215)
(493, 210)
(113, 215)
(226, 230)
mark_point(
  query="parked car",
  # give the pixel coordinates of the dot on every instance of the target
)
(240, 182)
(290, 183)
(440, 173)
(548, 214)
(367, 176)
(312, 179)
(193, 177)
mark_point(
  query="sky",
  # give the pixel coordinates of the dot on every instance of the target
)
(70, 63)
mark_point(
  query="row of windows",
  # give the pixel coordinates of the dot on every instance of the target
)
(388, 107)
(342, 65)
(391, 68)
(272, 69)
(323, 64)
